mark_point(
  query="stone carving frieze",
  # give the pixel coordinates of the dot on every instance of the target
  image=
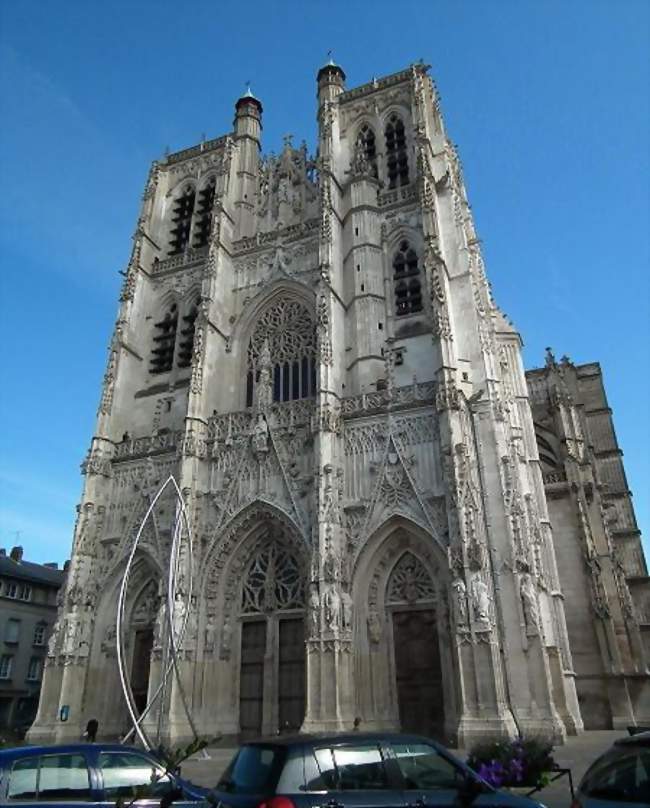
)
(287, 189)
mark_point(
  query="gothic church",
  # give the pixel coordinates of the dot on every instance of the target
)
(393, 524)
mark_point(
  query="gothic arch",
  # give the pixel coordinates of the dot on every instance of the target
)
(282, 289)
(227, 552)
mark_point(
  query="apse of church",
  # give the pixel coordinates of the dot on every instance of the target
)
(309, 344)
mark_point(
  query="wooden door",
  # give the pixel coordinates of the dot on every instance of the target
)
(291, 674)
(251, 686)
(419, 674)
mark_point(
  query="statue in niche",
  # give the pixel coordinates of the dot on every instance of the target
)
(332, 607)
(210, 630)
(72, 633)
(460, 602)
(53, 642)
(178, 618)
(261, 435)
(529, 603)
(374, 627)
(480, 599)
(329, 567)
(347, 607)
(314, 611)
(264, 387)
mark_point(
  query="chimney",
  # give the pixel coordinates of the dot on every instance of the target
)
(16, 554)
(66, 566)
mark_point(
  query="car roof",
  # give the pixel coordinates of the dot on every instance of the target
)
(62, 749)
(336, 737)
(640, 739)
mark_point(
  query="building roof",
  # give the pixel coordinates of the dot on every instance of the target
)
(27, 571)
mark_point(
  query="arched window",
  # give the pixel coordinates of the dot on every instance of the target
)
(203, 216)
(406, 277)
(186, 342)
(164, 341)
(397, 165)
(282, 354)
(366, 139)
(182, 221)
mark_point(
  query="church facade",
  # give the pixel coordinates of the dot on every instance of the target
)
(393, 525)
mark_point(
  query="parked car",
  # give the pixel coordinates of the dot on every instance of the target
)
(359, 770)
(619, 777)
(89, 774)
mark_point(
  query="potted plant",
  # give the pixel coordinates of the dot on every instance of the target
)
(522, 763)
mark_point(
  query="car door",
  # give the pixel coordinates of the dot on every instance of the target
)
(431, 779)
(135, 777)
(50, 779)
(356, 775)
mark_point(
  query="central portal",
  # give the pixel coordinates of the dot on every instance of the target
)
(418, 672)
(272, 673)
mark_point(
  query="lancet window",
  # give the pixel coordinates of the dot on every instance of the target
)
(164, 342)
(397, 165)
(203, 214)
(182, 220)
(366, 139)
(273, 581)
(282, 355)
(406, 279)
(186, 341)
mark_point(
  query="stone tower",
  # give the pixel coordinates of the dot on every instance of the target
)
(309, 344)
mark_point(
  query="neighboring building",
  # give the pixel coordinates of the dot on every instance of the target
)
(310, 345)
(28, 608)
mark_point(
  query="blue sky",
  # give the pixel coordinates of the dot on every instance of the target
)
(548, 102)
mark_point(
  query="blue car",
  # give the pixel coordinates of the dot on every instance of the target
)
(618, 778)
(89, 775)
(355, 770)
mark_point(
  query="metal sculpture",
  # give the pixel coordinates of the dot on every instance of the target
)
(174, 642)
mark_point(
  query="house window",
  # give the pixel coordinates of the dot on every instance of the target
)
(12, 630)
(406, 277)
(162, 354)
(6, 663)
(25, 592)
(34, 669)
(39, 633)
(12, 589)
(182, 221)
(397, 166)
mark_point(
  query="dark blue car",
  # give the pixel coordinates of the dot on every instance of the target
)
(356, 770)
(89, 774)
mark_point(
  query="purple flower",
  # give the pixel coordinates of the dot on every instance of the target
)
(516, 770)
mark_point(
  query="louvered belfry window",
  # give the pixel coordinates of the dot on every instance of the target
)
(203, 215)
(366, 138)
(406, 277)
(397, 166)
(164, 341)
(186, 343)
(182, 221)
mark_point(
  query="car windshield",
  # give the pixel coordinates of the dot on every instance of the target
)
(255, 769)
(622, 774)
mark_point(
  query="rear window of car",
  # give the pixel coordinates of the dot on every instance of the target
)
(255, 769)
(622, 775)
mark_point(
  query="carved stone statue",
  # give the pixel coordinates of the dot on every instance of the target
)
(529, 603)
(210, 630)
(226, 639)
(460, 602)
(53, 642)
(264, 387)
(261, 435)
(179, 618)
(71, 634)
(332, 607)
(480, 599)
(374, 627)
(347, 607)
(159, 627)
(314, 611)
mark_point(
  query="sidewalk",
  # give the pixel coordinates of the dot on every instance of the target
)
(577, 754)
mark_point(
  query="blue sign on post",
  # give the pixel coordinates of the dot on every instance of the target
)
(64, 712)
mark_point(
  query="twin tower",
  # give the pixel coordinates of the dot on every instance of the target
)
(309, 344)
